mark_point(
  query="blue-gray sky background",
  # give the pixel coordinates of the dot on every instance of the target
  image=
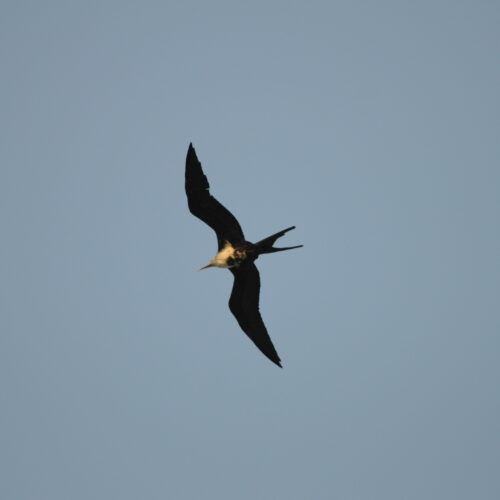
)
(371, 126)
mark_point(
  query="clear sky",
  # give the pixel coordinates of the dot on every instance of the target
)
(371, 126)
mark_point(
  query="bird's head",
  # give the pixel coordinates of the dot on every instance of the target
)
(223, 258)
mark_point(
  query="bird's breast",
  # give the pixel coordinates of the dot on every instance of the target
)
(236, 258)
(229, 256)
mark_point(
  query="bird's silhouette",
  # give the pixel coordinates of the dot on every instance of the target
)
(234, 253)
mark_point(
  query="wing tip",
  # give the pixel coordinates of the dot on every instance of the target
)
(192, 159)
(275, 360)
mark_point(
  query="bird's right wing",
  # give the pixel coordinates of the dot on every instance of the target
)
(204, 206)
(244, 304)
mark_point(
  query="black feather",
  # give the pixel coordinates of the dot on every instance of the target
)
(244, 304)
(204, 206)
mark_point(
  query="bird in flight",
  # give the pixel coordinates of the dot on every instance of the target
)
(234, 253)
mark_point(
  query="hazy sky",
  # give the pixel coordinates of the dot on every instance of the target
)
(371, 126)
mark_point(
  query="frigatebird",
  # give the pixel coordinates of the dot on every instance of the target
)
(234, 253)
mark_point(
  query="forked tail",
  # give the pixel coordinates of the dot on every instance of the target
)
(266, 245)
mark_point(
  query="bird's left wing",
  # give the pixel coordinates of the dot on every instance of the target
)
(204, 206)
(244, 304)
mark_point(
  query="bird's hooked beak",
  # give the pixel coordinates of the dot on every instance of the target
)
(205, 267)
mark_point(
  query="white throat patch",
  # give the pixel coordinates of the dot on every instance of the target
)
(220, 260)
